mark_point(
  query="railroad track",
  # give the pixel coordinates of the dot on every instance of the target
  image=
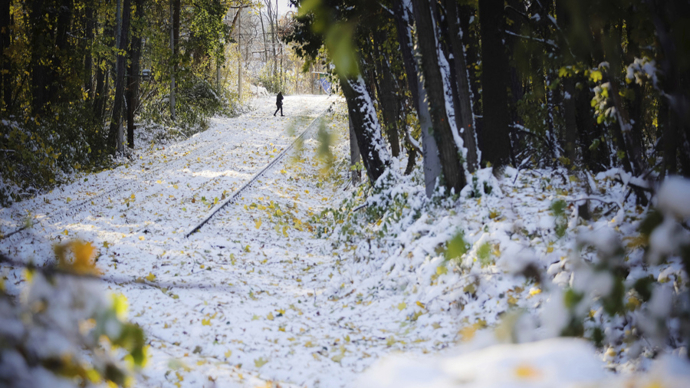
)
(233, 197)
(149, 176)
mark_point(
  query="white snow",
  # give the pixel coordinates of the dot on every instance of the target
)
(291, 285)
(674, 196)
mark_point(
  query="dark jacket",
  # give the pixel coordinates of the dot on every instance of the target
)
(279, 99)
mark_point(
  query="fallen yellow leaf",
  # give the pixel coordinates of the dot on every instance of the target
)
(526, 372)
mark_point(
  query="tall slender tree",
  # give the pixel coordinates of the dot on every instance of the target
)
(494, 82)
(116, 134)
(134, 70)
(453, 172)
(5, 63)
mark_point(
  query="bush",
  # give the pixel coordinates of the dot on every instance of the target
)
(40, 152)
(195, 102)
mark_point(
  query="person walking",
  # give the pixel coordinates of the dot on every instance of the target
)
(279, 104)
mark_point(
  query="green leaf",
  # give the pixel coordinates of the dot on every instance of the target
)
(456, 247)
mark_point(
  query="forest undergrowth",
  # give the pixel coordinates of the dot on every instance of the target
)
(532, 254)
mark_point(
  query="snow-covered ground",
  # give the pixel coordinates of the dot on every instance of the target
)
(251, 295)
(263, 293)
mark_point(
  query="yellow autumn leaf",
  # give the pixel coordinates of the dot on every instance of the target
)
(259, 362)
(467, 332)
(151, 277)
(269, 316)
(402, 306)
(258, 223)
(120, 306)
(337, 358)
(159, 181)
(285, 231)
(228, 353)
(525, 371)
(175, 186)
(141, 238)
(206, 322)
(83, 253)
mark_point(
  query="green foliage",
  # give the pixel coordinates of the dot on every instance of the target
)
(558, 208)
(270, 79)
(37, 153)
(337, 35)
(196, 101)
(456, 247)
(484, 254)
(61, 97)
(325, 138)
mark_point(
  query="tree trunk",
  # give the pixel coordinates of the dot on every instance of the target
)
(667, 18)
(239, 50)
(115, 134)
(5, 65)
(263, 34)
(569, 91)
(174, 39)
(366, 127)
(62, 45)
(433, 83)
(494, 81)
(570, 114)
(133, 73)
(40, 36)
(460, 78)
(471, 42)
(432, 162)
(632, 160)
(354, 155)
(594, 156)
(387, 94)
(88, 56)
